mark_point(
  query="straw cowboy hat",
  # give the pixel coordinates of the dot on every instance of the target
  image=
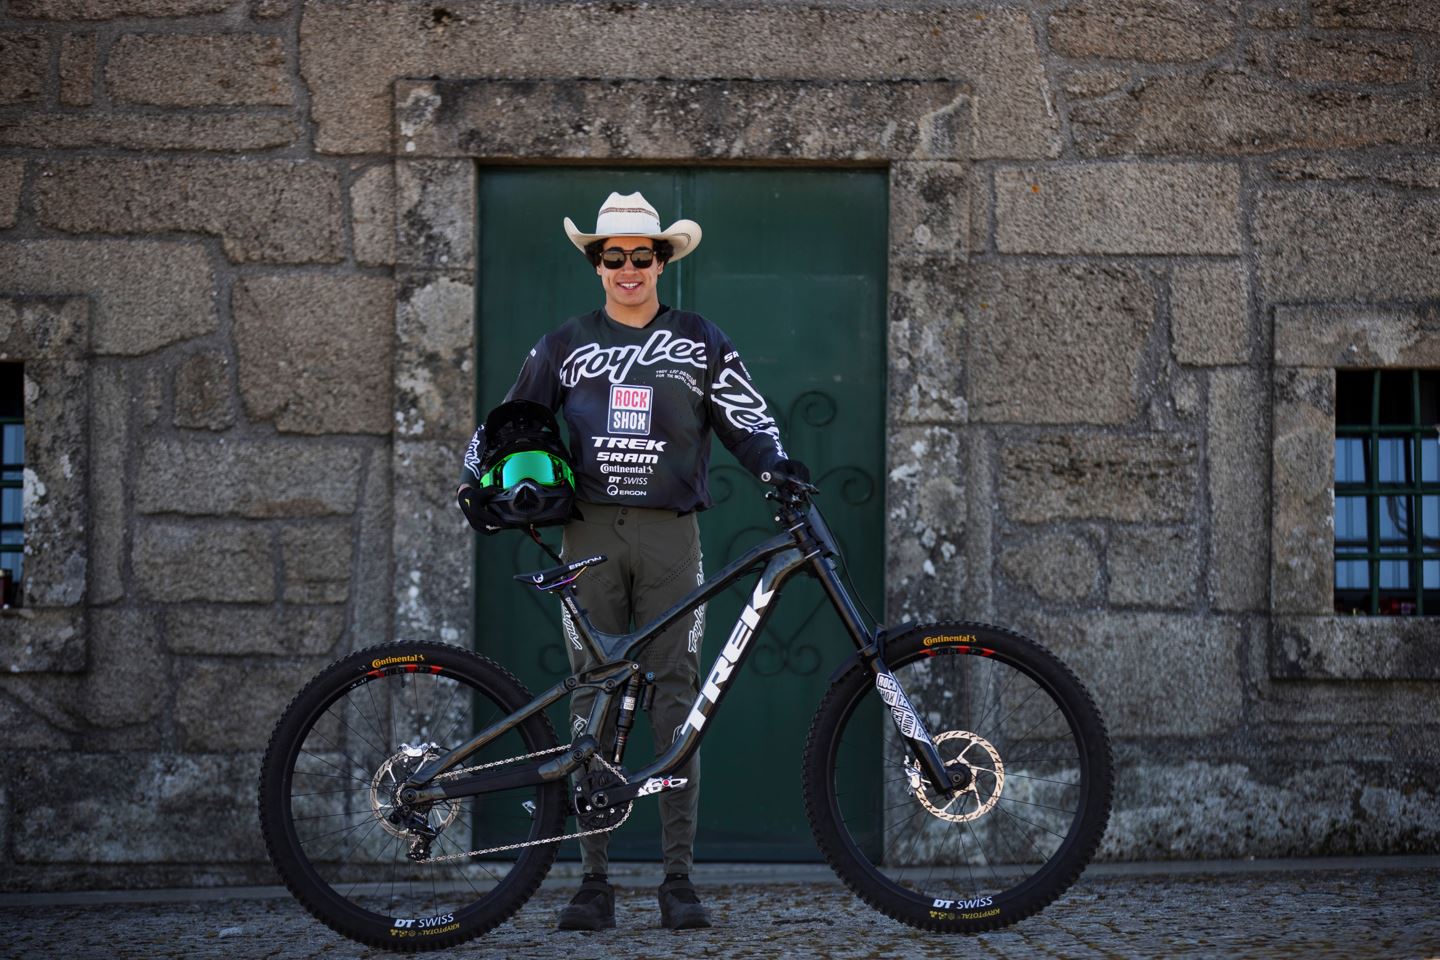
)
(633, 216)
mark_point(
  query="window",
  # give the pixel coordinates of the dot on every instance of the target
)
(12, 481)
(1387, 492)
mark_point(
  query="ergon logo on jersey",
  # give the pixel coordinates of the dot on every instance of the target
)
(614, 363)
(629, 409)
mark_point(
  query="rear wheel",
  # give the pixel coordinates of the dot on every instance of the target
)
(370, 870)
(1030, 747)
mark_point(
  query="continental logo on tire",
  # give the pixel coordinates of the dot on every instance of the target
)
(950, 638)
(387, 661)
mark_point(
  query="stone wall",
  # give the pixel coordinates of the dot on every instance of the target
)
(1130, 242)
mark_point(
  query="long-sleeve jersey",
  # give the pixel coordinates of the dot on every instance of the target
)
(640, 404)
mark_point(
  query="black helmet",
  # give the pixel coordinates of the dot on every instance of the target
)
(526, 479)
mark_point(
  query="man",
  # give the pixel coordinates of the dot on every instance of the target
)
(641, 387)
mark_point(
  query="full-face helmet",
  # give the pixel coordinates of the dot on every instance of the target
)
(526, 479)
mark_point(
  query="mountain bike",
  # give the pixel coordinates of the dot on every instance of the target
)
(414, 795)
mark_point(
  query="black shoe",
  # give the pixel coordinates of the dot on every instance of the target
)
(680, 907)
(593, 908)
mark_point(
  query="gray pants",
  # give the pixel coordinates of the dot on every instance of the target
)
(654, 562)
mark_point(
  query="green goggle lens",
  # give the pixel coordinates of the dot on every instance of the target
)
(543, 468)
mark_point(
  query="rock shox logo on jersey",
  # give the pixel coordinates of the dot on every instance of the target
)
(630, 409)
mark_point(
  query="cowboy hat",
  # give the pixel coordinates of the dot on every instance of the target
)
(633, 216)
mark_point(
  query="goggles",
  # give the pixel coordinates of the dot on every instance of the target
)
(545, 469)
(614, 258)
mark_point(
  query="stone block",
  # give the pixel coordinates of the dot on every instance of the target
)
(1303, 471)
(198, 70)
(24, 64)
(206, 801)
(43, 329)
(1152, 674)
(246, 478)
(224, 562)
(202, 392)
(112, 9)
(1238, 435)
(431, 595)
(77, 69)
(1328, 60)
(1144, 478)
(372, 215)
(926, 334)
(929, 209)
(42, 641)
(729, 120)
(128, 681)
(1203, 809)
(236, 630)
(1056, 566)
(56, 475)
(12, 177)
(1118, 208)
(1354, 648)
(434, 358)
(1418, 16)
(1155, 567)
(1095, 81)
(1347, 245)
(317, 561)
(271, 9)
(1414, 171)
(1360, 336)
(109, 448)
(221, 132)
(144, 294)
(1210, 314)
(926, 493)
(1230, 113)
(1057, 343)
(351, 53)
(316, 351)
(1152, 31)
(435, 214)
(279, 211)
(214, 710)
(372, 608)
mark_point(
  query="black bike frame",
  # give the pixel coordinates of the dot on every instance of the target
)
(806, 545)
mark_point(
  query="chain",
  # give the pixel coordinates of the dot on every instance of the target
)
(531, 843)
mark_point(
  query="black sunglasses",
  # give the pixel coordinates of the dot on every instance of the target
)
(614, 258)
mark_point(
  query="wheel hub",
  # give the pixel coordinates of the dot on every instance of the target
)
(981, 780)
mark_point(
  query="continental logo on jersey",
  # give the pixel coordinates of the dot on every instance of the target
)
(387, 661)
(630, 409)
(950, 638)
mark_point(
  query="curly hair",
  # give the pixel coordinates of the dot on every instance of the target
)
(664, 250)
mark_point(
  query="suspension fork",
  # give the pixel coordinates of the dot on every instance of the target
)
(907, 721)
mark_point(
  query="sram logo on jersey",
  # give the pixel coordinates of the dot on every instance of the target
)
(627, 450)
(630, 409)
(725, 663)
(614, 363)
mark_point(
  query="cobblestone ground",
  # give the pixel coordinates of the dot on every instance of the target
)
(1351, 913)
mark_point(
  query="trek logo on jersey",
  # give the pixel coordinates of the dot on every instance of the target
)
(614, 363)
(630, 409)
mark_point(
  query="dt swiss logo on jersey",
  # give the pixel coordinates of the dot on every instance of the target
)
(630, 409)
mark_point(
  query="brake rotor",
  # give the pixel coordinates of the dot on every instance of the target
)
(987, 779)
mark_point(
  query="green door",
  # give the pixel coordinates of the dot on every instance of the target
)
(792, 267)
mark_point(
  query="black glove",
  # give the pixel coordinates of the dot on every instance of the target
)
(787, 472)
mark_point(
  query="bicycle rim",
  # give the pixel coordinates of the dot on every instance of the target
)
(1030, 742)
(356, 735)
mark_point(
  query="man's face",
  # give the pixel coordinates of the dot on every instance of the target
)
(630, 286)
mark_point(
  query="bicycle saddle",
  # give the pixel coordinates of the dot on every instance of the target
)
(559, 576)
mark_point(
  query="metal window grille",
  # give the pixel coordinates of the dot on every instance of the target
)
(12, 481)
(1387, 492)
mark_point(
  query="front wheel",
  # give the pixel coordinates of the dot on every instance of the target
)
(1033, 756)
(418, 878)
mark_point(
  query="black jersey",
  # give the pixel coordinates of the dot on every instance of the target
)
(640, 404)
